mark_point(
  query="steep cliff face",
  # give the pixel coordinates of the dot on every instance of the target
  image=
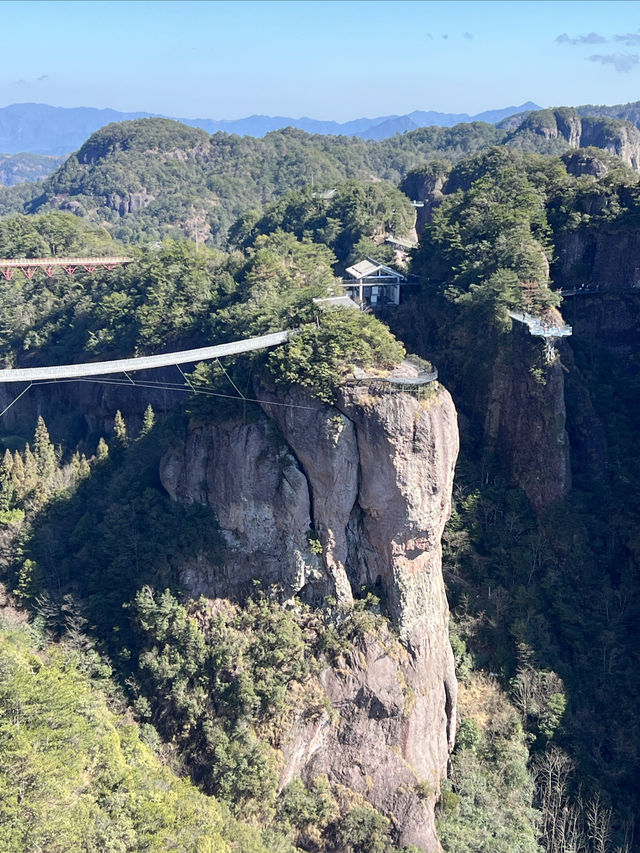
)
(604, 258)
(565, 127)
(372, 478)
(261, 499)
(525, 422)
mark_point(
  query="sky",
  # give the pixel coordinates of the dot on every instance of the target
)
(326, 59)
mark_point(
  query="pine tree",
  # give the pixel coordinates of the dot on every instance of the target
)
(44, 452)
(30, 470)
(148, 421)
(102, 451)
(85, 468)
(18, 476)
(6, 484)
(75, 466)
(8, 461)
(120, 430)
(30, 581)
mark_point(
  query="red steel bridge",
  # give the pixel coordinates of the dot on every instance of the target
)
(29, 266)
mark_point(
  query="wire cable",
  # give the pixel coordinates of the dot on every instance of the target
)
(205, 390)
(16, 399)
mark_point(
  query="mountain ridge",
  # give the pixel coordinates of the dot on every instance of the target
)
(55, 131)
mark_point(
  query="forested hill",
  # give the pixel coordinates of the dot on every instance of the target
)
(152, 178)
(21, 168)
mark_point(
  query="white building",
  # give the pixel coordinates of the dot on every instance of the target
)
(374, 285)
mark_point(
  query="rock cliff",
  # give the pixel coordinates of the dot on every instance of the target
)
(369, 480)
(525, 421)
(567, 129)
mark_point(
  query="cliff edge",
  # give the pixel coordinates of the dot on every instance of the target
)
(323, 500)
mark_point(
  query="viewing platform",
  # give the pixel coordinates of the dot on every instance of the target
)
(409, 376)
(544, 328)
(541, 328)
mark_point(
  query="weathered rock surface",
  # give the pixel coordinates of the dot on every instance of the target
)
(261, 499)
(598, 257)
(372, 477)
(567, 128)
(526, 422)
(386, 742)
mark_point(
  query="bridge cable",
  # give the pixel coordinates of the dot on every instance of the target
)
(230, 379)
(16, 399)
(205, 390)
(185, 378)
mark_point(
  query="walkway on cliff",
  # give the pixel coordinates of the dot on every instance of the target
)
(541, 328)
(548, 329)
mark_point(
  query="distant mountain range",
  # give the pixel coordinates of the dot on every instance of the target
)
(42, 129)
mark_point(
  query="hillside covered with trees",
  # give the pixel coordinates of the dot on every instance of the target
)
(149, 179)
(150, 683)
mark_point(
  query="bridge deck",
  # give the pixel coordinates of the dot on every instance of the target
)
(101, 368)
(18, 263)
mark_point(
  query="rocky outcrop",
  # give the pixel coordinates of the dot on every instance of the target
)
(130, 202)
(385, 743)
(566, 127)
(246, 474)
(371, 478)
(380, 470)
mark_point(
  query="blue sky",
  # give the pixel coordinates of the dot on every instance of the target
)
(332, 59)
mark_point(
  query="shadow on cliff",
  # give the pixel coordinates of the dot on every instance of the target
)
(553, 591)
(116, 533)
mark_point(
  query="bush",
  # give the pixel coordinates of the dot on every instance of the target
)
(318, 356)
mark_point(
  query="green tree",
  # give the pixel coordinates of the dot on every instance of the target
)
(120, 437)
(148, 420)
(30, 581)
(44, 452)
(6, 485)
(102, 451)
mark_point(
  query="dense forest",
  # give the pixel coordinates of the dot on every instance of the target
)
(156, 178)
(121, 694)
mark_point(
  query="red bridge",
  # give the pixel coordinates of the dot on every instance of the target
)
(28, 266)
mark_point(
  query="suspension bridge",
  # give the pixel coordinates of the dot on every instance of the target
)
(89, 371)
(96, 371)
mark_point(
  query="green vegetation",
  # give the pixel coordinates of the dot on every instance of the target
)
(50, 235)
(153, 178)
(346, 220)
(215, 682)
(492, 226)
(75, 774)
(319, 354)
(177, 296)
(486, 803)
(326, 819)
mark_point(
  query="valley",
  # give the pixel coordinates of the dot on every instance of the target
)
(318, 610)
